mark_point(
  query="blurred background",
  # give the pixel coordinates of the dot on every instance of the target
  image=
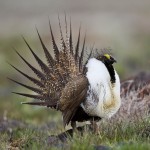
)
(123, 26)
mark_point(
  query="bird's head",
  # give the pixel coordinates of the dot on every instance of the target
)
(107, 59)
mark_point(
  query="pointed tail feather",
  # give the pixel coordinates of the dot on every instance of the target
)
(35, 81)
(46, 103)
(36, 71)
(84, 67)
(55, 48)
(39, 97)
(82, 54)
(39, 61)
(70, 40)
(26, 86)
(48, 56)
(61, 35)
(67, 42)
(77, 46)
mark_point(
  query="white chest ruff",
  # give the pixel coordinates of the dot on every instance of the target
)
(102, 100)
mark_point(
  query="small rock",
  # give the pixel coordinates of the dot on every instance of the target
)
(101, 147)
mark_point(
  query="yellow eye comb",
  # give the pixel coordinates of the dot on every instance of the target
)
(107, 56)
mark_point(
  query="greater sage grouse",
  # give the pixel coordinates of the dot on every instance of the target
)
(82, 90)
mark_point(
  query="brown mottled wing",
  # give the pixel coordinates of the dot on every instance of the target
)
(72, 96)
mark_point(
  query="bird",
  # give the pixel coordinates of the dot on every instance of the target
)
(81, 88)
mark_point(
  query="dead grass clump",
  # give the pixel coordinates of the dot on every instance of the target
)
(135, 95)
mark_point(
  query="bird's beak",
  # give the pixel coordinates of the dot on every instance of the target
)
(113, 60)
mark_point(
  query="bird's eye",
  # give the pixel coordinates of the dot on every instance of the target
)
(107, 56)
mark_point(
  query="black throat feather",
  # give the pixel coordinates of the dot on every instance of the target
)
(111, 71)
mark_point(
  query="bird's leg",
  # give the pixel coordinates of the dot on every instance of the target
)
(73, 125)
(95, 127)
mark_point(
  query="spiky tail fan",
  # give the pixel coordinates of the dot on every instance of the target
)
(66, 64)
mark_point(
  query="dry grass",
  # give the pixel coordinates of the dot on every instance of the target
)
(128, 129)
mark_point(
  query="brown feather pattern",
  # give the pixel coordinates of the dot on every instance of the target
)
(61, 83)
